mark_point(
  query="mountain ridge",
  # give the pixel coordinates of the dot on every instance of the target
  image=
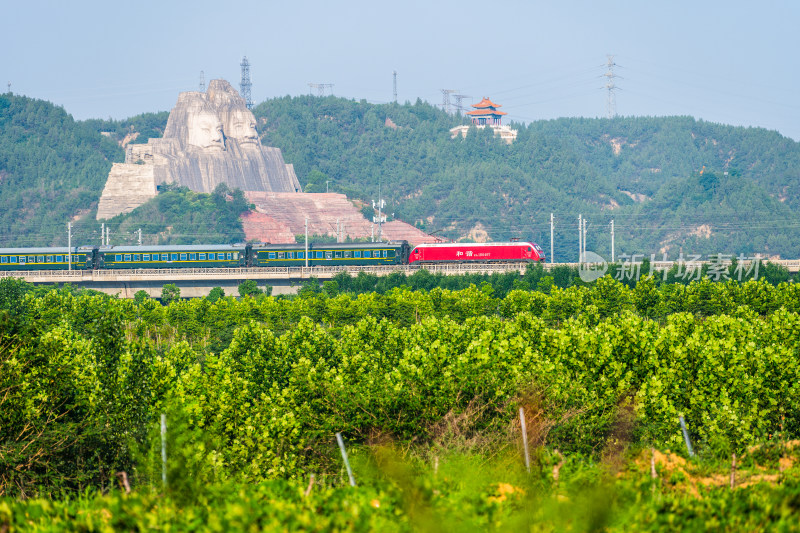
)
(660, 178)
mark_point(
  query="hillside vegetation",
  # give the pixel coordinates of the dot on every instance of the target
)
(667, 182)
(670, 184)
(52, 170)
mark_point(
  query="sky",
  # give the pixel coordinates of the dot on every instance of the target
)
(731, 62)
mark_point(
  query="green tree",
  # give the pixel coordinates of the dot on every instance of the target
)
(215, 294)
(170, 293)
(330, 288)
(249, 288)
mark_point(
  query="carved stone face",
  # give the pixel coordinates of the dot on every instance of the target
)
(241, 125)
(205, 131)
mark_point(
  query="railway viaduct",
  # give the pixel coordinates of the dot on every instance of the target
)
(285, 280)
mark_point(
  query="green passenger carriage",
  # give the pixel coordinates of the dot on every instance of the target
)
(26, 259)
(180, 256)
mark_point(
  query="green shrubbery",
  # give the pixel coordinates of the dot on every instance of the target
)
(254, 389)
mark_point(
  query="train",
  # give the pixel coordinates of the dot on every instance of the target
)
(262, 255)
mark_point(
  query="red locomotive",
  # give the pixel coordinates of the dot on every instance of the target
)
(477, 252)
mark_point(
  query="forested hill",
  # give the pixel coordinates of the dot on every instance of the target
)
(667, 182)
(52, 169)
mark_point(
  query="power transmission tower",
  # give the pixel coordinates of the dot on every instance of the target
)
(202, 82)
(245, 84)
(446, 99)
(394, 85)
(320, 87)
(611, 87)
(459, 98)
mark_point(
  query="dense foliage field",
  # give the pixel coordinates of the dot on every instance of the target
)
(425, 386)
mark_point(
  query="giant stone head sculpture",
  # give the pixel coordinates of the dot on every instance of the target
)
(205, 130)
(194, 124)
(237, 121)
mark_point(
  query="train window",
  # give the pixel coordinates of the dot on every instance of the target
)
(183, 257)
(329, 255)
(281, 255)
(192, 257)
(301, 255)
(273, 255)
(49, 259)
(320, 255)
(367, 253)
(12, 259)
(347, 254)
(59, 259)
(211, 256)
(22, 259)
(117, 258)
(40, 259)
(357, 253)
(127, 257)
(145, 257)
(201, 257)
(4, 259)
(174, 257)
(338, 255)
(228, 256)
(137, 257)
(289, 255)
(165, 257)
(530, 249)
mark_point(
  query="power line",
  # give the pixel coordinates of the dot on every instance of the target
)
(459, 99)
(611, 87)
(446, 99)
(320, 87)
(245, 83)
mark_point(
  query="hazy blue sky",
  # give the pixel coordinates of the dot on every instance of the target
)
(733, 62)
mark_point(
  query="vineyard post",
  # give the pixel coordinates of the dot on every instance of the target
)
(164, 450)
(346, 462)
(525, 439)
(653, 474)
(686, 436)
(557, 467)
(310, 485)
(783, 446)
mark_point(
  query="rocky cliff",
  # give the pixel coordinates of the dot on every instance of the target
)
(210, 138)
